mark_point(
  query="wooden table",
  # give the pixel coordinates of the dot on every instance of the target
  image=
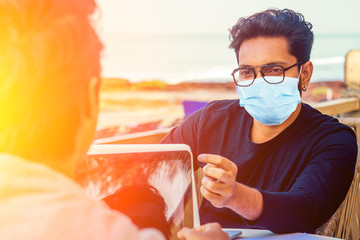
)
(255, 233)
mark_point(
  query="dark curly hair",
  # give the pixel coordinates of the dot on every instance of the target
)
(144, 204)
(276, 23)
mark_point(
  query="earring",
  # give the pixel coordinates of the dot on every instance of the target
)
(304, 88)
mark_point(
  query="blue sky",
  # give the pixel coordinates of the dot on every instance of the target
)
(216, 16)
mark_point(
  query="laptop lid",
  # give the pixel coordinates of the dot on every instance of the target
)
(166, 168)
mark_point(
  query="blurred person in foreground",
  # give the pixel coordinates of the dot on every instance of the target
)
(270, 161)
(49, 84)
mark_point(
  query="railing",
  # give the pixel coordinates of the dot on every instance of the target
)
(146, 137)
(350, 103)
(338, 106)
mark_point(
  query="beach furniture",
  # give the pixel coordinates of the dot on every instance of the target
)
(191, 106)
(349, 103)
(352, 69)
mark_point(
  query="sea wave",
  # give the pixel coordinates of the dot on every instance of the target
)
(329, 60)
(324, 68)
(211, 74)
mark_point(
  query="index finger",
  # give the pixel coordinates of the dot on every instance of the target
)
(217, 160)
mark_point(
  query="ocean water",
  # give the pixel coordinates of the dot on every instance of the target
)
(204, 58)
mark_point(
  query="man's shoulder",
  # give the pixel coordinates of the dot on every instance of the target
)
(228, 105)
(215, 112)
(321, 119)
(324, 124)
(219, 109)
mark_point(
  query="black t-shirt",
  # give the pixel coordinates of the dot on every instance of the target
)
(303, 173)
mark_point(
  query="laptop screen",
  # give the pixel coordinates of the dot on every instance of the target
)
(130, 178)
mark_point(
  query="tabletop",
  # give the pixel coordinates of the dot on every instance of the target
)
(265, 234)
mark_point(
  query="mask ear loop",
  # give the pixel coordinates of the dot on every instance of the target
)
(300, 72)
(304, 88)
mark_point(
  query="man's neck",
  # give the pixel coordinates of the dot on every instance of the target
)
(260, 133)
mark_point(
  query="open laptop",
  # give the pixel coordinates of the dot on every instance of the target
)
(166, 167)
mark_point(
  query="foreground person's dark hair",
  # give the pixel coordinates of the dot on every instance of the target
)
(143, 204)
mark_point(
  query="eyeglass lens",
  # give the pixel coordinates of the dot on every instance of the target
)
(267, 72)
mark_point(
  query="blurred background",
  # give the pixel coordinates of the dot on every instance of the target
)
(187, 40)
(160, 53)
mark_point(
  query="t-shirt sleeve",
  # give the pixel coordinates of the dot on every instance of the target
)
(186, 133)
(317, 192)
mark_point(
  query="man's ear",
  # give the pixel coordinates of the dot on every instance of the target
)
(93, 98)
(306, 73)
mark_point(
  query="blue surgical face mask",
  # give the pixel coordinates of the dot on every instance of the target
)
(270, 104)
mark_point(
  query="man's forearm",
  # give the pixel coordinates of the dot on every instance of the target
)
(247, 202)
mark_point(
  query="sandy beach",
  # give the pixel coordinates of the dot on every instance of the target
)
(132, 107)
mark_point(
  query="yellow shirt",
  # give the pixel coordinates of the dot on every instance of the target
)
(36, 203)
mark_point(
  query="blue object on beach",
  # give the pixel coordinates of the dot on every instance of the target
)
(192, 106)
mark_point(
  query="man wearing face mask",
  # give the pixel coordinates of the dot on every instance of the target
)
(269, 160)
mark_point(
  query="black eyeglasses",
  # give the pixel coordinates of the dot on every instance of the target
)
(245, 76)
